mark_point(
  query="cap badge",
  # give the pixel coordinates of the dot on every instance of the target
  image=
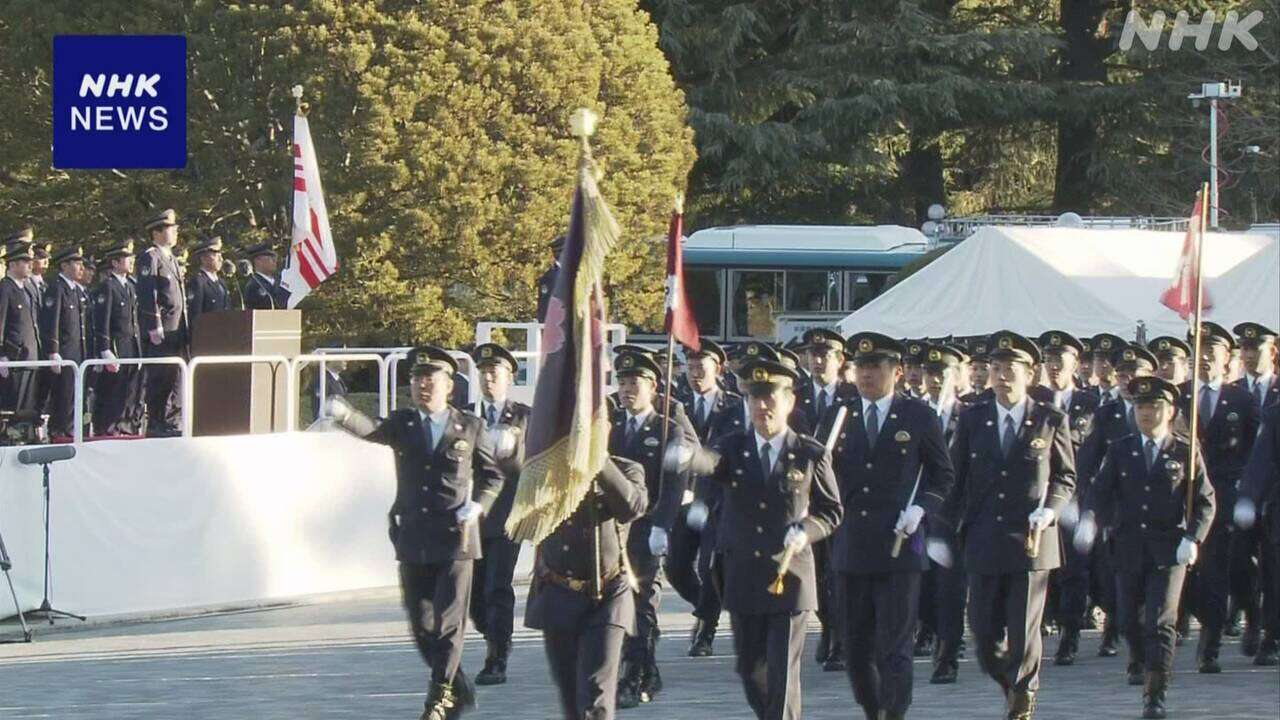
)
(760, 375)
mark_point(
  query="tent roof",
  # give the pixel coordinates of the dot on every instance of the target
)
(1080, 280)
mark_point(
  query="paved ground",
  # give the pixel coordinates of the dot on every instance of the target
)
(349, 658)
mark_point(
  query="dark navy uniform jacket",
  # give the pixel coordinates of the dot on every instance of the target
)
(432, 485)
(262, 295)
(876, 482)
(205, 295)
(757, 511)
(1110, 422)
(1148, 508)
(516, 415)
(666, 491)
(62, 321)
(1261, 482)
(18, 326)
(115, 318)
(1226, 439)
(995, 494)
(725, 416)
(162, 294)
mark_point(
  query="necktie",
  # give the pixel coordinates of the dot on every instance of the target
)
(1009, 436)
(1151, 453)
(426, 432)
(1206, 406)
(1259, 392)
(873, 424)
(633, 425)
(766, 465)
(700, 415)
(488, 415)
(822, 402)
(1133, 421)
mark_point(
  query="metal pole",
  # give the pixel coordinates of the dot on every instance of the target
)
(1195, 368)
(1213, 164)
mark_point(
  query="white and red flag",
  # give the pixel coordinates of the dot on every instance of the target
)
(1180, 296)
(312, 257)
(680, 322)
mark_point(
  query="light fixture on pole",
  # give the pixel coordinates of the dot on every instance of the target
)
(1213, 92)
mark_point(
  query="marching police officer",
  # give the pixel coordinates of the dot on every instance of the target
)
(637, 435)
(19, 332)
(493, 599)
(163, 320)
(63, 317)
(206, 292)
(262, 290)
(1258, 352)
(1014, 473)
(1259, 503)
(780, 496)
(1108, 386)
(585, 610)
(446, 480)
(116, 409)
(1141, 491)
(979, 372)
(1228, 423)
(1172, 359)
(892, 467)
(715, 412)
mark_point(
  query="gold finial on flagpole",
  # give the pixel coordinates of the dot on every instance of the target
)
(299, 106)
(679, 204)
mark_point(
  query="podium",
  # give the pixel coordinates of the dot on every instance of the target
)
(243, 399)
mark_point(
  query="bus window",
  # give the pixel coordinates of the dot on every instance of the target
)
(704, 290)
(813, 291)
(862, 287)
(756, 295)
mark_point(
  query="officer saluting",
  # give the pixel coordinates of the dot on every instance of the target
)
(162, 315)
(493, 600)
(446, 479)
(63, 316)
(780, 497)
(206, 292)
(892, 466)
(262, 290)
(1014, 474)
(1141, 491)
(583, 626)
(115, 321)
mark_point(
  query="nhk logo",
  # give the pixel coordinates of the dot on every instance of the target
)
(119, 101)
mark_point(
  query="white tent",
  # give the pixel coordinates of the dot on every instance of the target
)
(1083, 281)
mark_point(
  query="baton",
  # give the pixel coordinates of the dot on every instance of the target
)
(784, 558)
(899, 535)
(1033, 534)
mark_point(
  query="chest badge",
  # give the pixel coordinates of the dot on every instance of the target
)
(794, 475)
(1039, 444)
(902, 436)
(651, 442)
(460, 446)
(1173, 466)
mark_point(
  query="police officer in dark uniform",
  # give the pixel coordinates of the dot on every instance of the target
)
(583, 610)
(19, 332)
(637, 435)
(162, 317)
(1105, 346)
(1069, 585)
(780, 497)
(116, 408)
(1259, 503)
(715, 412)
(1228, 420)
(40, 254)
(913, 367)
(1014, 473)
(1172, 359)
(547, 281)
(493, 599)
(892, 467)
(979, 372)
(262, 290)
(63, 316)
(446, 480)
(1141, 491)
(206, 292)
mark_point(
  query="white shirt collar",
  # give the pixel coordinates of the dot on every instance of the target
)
(1017, 412)
(436, 419)
(123, 278)
(882, 406)
(269, 280)
(498, 407)
(70, 283)
(774, 443)
(709, 397)
(640, 418)
(211, 275)
(831, 389)
(1063, 397)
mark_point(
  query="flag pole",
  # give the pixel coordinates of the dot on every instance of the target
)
(1195, 358)
(678, 209)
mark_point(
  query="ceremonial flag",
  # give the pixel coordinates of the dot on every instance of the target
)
(680, 324)
(312, 258)
(567, 443)
(1180, 296)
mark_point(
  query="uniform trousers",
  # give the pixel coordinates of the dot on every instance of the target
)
(878, 616)
(435, 598)
(681, 562)
(1005, 612)
(115, 403)
(949, 602)
(493, 599)
(1147, 606)
(769, 648)
(163, 390)
(647, 567)
(1210, 578)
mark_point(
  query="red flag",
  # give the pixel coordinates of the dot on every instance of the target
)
(680, 323)
(312, 257)
(1180, 296)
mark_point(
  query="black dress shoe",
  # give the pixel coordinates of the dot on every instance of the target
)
(923, 646)
(494, 672)
(628, 695)
(944, 674)
(1267, 655)
(1210, 666)
(1108, 646)
(1250, 640)
(1068, 646)
(834, 663)
(1136, 674)
(824, 646)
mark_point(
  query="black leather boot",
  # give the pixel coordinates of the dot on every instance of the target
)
(1153, 693)
(495, 665)
(1068, 646)
(704, 636)
(629, 685)
(1110, 639)
(1207, 652)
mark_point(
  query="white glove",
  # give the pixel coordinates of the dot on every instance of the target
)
(696, 518)
(157, 336)
(337, 408)
(658, 541)
(469, 511)
(57, 369)
(795, 539)
(1246, 513)
(1086, 532)
(108, 355)
(909, 520)
(1188, 551)
(677, 457)
(939, 551)
(503, 439)
(4, 371)
(1070, 515)
(1041, 519)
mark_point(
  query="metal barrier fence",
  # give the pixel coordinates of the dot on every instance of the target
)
(83, 369)
(189, 389)
(301, 361)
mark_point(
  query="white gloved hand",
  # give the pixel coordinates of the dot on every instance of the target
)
(658, 541)
(1086, 533)
(1070, 515)
(337, 408)
(4, 371)
(1188, 551)
(503, 439)
(469, 511)
(696, 518)
(108, 355)
(157, 336)
(57, 369)
(677, 457)
(1246, 513)
(795, 539)
(909, 520)
(1041, 519)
